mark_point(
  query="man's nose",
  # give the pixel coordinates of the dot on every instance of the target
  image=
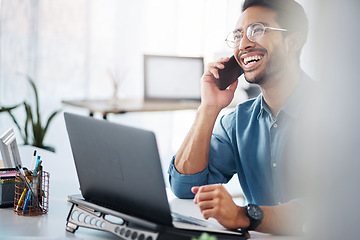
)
(245, 43)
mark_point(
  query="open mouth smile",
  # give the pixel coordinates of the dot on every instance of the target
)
(251, 60)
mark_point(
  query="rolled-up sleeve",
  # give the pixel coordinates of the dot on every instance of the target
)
(181, 184)
(220, 168)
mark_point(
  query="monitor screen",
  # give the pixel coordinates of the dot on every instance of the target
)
(171, 77)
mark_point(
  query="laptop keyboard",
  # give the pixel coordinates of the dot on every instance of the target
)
(189, 220)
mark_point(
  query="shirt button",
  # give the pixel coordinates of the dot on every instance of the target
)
(275, 125)
(274, 164)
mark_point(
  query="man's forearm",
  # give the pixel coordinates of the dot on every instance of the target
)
(193, 154)
(283, 219)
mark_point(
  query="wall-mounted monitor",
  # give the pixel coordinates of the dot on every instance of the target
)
(172, 77)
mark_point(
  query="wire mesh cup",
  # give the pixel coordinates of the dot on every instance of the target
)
(32, 194)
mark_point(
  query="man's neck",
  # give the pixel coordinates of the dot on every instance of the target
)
(277, 90)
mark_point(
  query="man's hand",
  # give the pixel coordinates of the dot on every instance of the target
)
(214, 201)
(211, 95)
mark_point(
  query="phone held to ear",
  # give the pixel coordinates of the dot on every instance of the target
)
(229, 74)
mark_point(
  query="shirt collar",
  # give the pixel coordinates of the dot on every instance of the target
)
(295, 103)
(263, 107)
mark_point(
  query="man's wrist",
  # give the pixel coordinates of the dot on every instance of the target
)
(244, 221)
(209, 110)
(206, 116)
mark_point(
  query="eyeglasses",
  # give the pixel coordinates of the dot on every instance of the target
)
(254, 33)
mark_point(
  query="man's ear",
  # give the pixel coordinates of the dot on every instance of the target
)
(294, 41)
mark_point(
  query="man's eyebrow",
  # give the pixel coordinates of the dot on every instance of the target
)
(241, 29)
(265, 24)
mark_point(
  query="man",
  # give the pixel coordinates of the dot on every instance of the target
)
(254, 140)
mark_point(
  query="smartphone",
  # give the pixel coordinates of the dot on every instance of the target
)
(229, 74)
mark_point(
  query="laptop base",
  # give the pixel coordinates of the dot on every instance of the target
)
(89, 215)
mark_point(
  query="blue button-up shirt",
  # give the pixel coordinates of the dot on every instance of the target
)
(254, 144)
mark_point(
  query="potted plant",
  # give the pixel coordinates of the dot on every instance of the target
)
(38, 129)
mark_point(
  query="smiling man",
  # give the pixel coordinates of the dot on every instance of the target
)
(256, 140)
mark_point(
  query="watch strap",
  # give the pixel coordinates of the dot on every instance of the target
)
(253, 225)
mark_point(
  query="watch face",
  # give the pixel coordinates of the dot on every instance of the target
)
(255, 212)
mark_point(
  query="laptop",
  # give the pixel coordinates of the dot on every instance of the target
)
(119, 168)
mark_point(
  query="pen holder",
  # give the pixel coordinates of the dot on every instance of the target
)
(32, 202)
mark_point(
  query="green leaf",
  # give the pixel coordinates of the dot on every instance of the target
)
(205, 236)
(36, 99)
(27, 120)
(15, 121)
(7, 109)
(50, 120)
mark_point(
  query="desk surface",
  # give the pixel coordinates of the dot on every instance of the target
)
(131, 105)
(63, 182)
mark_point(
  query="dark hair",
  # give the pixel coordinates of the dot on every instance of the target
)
(290, 14)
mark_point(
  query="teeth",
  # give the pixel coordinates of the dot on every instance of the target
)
(252, 58)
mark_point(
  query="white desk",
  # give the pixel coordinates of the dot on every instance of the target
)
(63, 182)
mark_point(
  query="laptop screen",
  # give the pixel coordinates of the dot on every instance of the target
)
(119, 167)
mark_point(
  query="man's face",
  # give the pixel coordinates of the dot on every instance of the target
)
(264, 59)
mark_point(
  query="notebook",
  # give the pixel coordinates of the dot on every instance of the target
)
(119, 168)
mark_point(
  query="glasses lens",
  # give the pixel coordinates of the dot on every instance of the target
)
(233, 39)
(255, 32)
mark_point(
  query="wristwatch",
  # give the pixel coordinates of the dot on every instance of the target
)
(255, 214)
